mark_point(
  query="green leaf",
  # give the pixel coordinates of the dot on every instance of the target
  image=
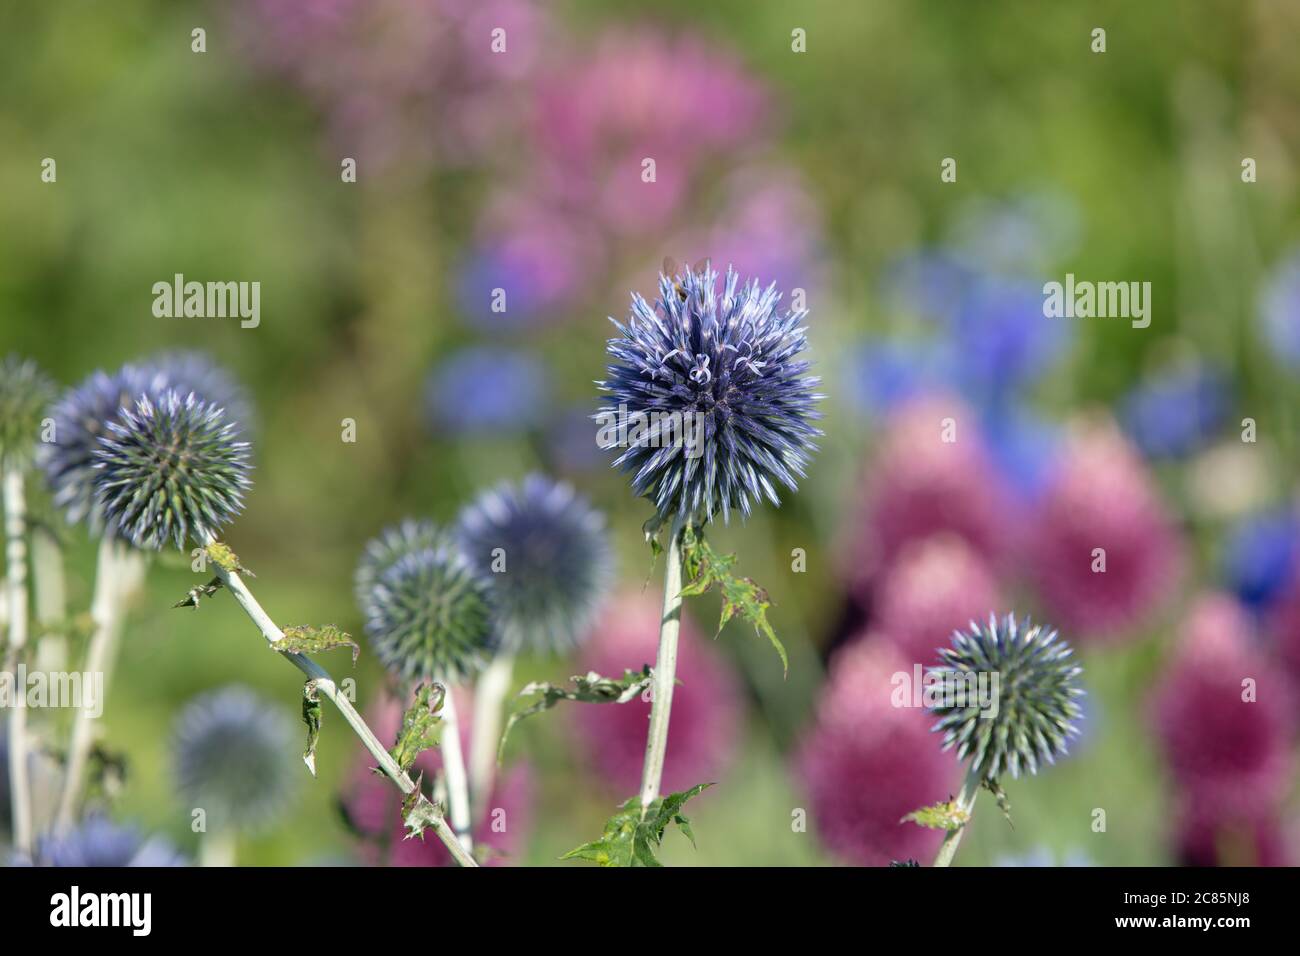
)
(941, 816)
(992, 786)
(705, 570)
(192, 596)
(311, 716)
(630, 840)
(419, 812)
(308, 639)
(590, 688)
(421, 725)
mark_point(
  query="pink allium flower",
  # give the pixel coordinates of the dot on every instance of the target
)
(936, 586)
(402, 78)
(1229, 757)
(374, 807)
(920, 485)
(1283, 625)
(1102, 496)
(1209, 839)
(707, 710)
(866, 763)
(680, 101)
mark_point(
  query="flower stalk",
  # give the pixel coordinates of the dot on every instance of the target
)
(665, 671)
(965, 802)
(453, 767)
(15, 520)
(326, 686)
(489, 699)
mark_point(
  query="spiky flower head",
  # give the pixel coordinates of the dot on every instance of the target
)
(545, 557)
(25, 392)
(1037, 690)
(187, 370)
(728, 366)
(427, 616)
(235, 758)
(170, 468)
(385, 549)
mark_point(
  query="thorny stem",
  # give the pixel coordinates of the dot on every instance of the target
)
(117, 574)
(489, 697)
(453, 767)
(970, 788)
(656, 745)
(15, 508)
(325, 685)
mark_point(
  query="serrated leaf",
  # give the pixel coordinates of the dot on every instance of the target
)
(941, 816)
(311, 716)
(705, 570)
(309, 639)
(421, 725)
(630, 840)
(590, 688)
(193, 595)
(992, 786)
(419, 812)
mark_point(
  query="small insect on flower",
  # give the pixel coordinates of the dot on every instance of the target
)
(545, 557)
(25, 392)
(427, 616)
(725, 371)
(171, 468)
(1036, 690)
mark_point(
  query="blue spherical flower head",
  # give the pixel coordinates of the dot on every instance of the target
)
(390, 545)
(235, 758)
(1036, 700)
(81, 417)
(718, 407)
(482, 390)
(170, 469)
(98, 842)
(192, 371)
(545, 556)
(25, 393)
(427, 616)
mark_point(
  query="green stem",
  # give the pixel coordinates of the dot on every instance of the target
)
(656, 746)
(15, 515)
(326, 686)
(970, 788)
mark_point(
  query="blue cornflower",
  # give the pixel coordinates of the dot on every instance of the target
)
(545, 556)
(1260, 556)
(728, 369)
(1175, 413)
(486, 389)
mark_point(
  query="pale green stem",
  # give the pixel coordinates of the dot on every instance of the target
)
(20, 797)
(51, 601)
(970, 788)
(117, 573)
(217, 849)
(326, 686)
(453, 768)
(656, 745)
(489, 698)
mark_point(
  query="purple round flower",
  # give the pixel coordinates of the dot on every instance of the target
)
(98, 842)
(725, 370)
(1260, 557)
(866, 763)
(1176, 412)
(1101, 511)
(936, 586)
(707, 706)
(481, 390)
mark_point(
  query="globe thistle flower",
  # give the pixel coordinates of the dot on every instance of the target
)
(555, 561)
(919, 485)
(427, 616)
(234, 757)
(482, 390)
(865, 763)
(1037, 691)
(708, 705)
(733, 363)
(1100, 510)
(171, 468)
(389, 546)
(373, 808)
(191, 371)
(98, 842)
(936, 586)
(25, 393)
(81, 417)
(1228, 752)
(1177, 411)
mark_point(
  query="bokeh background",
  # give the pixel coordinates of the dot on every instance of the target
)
(819, 170)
